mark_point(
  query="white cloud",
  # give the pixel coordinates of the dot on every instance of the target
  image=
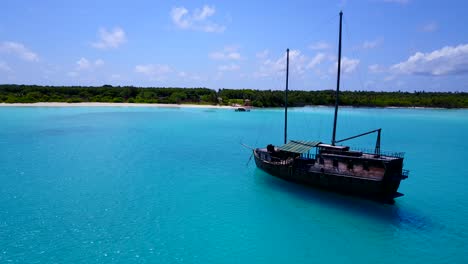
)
(155, 71)
(321, 45)
(262, 54)
(19, 50)
(4, 66)
(197, 20)
(229, 53)
(110, 39)
(269, 67)
(348, 65)
(99, 62)
(85, 64)
(177, 14)
(229, 67)
(370, 44)
(445, 61)
(376, 68)
(204, 13)
(297, 61)
(316, 60)
(430, 27)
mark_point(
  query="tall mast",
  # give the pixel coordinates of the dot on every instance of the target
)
(337, 82)
(286, 99)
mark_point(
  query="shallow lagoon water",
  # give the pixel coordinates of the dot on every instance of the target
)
(173, 185)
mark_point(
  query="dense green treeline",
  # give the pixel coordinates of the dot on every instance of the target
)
(357, 98)
(106, 93)
(257, 98)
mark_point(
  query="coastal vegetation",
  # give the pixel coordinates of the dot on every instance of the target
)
(258, 98)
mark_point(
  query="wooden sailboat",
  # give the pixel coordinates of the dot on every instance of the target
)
(372, 174)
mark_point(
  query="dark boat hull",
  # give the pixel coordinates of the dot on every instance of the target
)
(383, 190)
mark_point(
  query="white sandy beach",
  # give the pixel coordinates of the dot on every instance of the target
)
(50, 104)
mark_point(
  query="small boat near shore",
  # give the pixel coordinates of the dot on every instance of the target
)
(373, 174)
(242, 109)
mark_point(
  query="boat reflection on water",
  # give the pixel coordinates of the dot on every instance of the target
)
(397, 214)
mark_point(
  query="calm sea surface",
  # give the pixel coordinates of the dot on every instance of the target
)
(161, 185)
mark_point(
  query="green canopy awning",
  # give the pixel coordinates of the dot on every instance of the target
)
(299, 146)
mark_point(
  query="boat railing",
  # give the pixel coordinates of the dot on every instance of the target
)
(308, 156)
(381, 152)
(281, 161)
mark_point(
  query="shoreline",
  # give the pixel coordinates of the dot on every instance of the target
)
(97, 104)
(100, 104)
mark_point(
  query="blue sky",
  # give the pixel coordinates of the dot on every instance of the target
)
(388, 45)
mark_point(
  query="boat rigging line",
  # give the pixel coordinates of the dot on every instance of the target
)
(286, 99)
(377, 143)
(337, 82)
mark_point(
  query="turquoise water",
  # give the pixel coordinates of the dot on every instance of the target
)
(161, 185)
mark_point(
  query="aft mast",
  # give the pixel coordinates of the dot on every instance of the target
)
(337, 82)
(286, 99)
